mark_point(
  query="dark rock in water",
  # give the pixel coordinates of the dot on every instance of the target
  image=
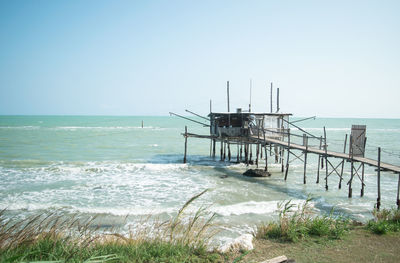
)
(256, 173)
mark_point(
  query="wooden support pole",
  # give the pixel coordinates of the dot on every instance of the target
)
(246, 160)
(276, 154)
(241, 152)
(257, 153)
(229, 152)
(237, 152)
(251, 152)
(142, 124)
(222, 152)
(319, 159)
(378, 200)
(184, 156)
(341, 170)
(398, 193)
(326, 160)
(352, 166)
(305, 158)
(227, 94)
(266, 158)
(261, 151)
(213, 154)
(287, 158)
(362, 180)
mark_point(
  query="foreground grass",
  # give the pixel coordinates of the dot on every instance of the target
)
(385, 221)
(54, 238)
(299, 224)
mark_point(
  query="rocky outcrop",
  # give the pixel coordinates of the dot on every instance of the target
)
(256, 173)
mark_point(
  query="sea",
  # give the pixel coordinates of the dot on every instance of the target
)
(113, 168)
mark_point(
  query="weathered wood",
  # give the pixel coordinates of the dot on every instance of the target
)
(398, 193)
(229, 151)
(352, 166)
(279, 259)
(227, 93)
(362, 180)
(266, 158)
(213, 153)
(184, 156)
(341, 170)
(257, 153)
(241, 152)
(378, 200)
(305, 158)
(287, 158)
(237, 152)
(222, 152)
(251, 152)
(326, 160)
(319, 160)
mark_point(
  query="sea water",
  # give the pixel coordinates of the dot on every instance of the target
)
(111, 167)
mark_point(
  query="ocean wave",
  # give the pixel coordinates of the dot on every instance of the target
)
(251, 207)
(20, 127)
(106, 128)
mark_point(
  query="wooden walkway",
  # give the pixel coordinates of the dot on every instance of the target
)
(371, 162)
(285, 144)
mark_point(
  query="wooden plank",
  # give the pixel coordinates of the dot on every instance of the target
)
(270, 141)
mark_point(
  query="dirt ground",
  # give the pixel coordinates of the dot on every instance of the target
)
(358, 246)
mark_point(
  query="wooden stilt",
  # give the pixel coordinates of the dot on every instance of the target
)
(266, 158)
(229, 152)
(213, 154)
(246, 153)
(237, 152)
(326, 160)
(257, 152)
(362, 180)
(352, 165)
(251, 152)
(319, 160)
(378, 200)
(222, 152)
(261, 151)
(341, 170)
(283, 161)
(398, 193)
(287, 158)
(305, 158)
(184, 156)
(241, 152)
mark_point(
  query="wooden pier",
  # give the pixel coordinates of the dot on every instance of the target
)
(271, 131)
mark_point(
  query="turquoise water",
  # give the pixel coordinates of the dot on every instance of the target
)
(111, 167)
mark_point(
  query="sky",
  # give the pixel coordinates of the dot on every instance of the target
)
(94, 57)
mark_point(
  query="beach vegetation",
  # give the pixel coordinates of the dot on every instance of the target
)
(384, 221)
(54, 237)
(300, 222)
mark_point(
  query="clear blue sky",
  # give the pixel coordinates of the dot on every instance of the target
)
(329, 58)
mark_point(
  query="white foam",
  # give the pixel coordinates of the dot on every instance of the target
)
(251, 207)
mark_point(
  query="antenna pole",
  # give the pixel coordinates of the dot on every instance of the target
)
(277, 100)
(271, 97)
(250, 96)
(210, 106)
(227, 92)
